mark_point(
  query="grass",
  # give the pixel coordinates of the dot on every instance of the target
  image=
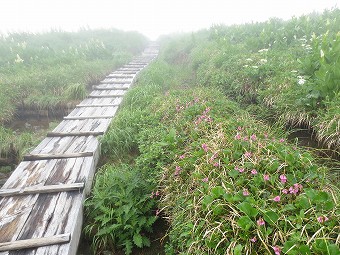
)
(226, 182)
(41, 71)
(285, 68)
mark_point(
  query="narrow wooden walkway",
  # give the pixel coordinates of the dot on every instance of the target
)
(41, 204)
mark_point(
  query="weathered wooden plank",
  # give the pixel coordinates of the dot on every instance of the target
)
(115, 82)
(104, 96)
(34, 157)
(112, 87)
(120, 76)
(125, 72)
(84, 133)
(108, 93)
(87, 125)
(87, 117)
(99, 101)
(97, 105)
(35, 242)
(41, 189)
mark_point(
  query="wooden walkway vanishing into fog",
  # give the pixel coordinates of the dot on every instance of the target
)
(41, 204)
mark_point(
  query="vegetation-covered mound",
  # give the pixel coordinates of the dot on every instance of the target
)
(286, 70)
(226, 183)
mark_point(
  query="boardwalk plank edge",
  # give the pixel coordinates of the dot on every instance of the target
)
(42, 189)
(62, 134)
(35, 242)
(105, 96)
(97, 105)
(88, 117)
(109, 88)
(33, 157)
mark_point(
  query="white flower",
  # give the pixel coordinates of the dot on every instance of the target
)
(301, 81)
(293, 71)
(249, 59)
(263, 61)
(255, 67)
(18, 59)
(322, 54)
(263, 50)
(245, 66)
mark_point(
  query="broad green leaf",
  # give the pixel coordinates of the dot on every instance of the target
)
(217, 192)
(304, 250)
(245, 223)
(303, 202)
(247, 209)
(321, 197)
(238, 249)
(288, 246)
(233, 173)
(271, 217)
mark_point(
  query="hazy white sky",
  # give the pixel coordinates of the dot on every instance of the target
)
(150, 17)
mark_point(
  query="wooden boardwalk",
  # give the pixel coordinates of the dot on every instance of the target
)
(41, 204)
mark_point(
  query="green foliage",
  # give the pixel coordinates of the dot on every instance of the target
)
(13, 143)
(120, 210)
(75, 91)
(204, 150)
(288, 69)
(38, 70)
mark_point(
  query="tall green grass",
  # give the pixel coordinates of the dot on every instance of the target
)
(37, 70)
(289, 69)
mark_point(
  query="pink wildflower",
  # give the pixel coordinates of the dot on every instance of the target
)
(182, 156)
(157, 212)
(266, 177)
(253, 171)
(205, 147)
(206, 179)
(260, 222)
(277, 250)
(247, 154)
(277, 199)
(298, 186)
(216, 164)
(157, 193)
(253, 240)
(245, 192)
(293, 190)
(237, 136)
(241, 170)
(253, 137)
(283, 178)
(265, 135)
(285, 191)
(152, 194)
(178, 170)
(239, 128)
(281, 140)
(322, 219)
(245, 139)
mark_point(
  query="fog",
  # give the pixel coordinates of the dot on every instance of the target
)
(150, 17)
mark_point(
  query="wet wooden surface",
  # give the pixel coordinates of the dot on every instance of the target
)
(41, 209)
